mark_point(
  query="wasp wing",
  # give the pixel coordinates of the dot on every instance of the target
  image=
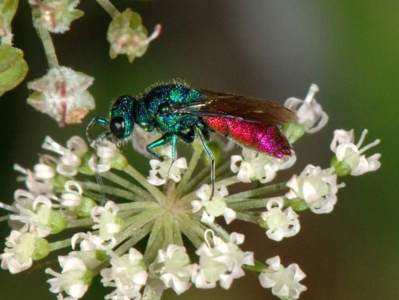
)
(239, 107)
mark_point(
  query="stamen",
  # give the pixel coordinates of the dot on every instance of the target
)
(312, 91)
(362, 137)
(8, 207)
(51, 145)
(20, 169)
(371, 145)
(155, 33)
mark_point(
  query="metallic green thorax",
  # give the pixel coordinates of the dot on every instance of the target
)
(155, 110)
(158, 110)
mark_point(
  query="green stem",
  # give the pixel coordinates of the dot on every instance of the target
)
(136, 222)
(137, 205)
(156, 193)
(110, 190)
(137, 236)
(86, 222)
(177, 238)
(194, 182)
(191, 167)
(192, 230)
(259, 267)
(247, 217)
(126, 184)
(155, 241)
(108, 7)
(277, 187)
(219, 231)
(167, 230)
(153, 290)
(227, 181)
(60, 244)
(248, 204)
(48, 46)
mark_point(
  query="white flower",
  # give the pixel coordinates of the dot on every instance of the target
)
(161, 171)
(127, 274)
(127, 35)
(72, 195)
(55, 15)
(70, 156)
(317, 187)
(107, 221)
(349, 156)
(74, 278)
(62, 94)
(107, 154)
(215, 207)
(284, 282)
(221, 261)
(22, 247)
(92, 248)
(253, 165)
(279, 223)
(309, 112)
(174, 269)
(89, 242)
(41, 216)
(40, 181)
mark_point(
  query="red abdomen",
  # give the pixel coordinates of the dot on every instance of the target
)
(258, 136)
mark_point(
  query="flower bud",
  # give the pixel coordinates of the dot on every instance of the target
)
(42, 249)
(55, 16)
(85, 207)
(57, 222)
(62, 94)
(127, 35)
(341, 167)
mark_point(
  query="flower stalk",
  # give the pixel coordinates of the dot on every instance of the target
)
(108, 7)
(48, 45)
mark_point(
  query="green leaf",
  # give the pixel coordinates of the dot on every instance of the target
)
(8, 8)
(13, 68)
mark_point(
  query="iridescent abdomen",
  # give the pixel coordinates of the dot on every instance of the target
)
(258, 136)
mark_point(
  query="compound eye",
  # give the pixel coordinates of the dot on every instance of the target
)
(118, 127)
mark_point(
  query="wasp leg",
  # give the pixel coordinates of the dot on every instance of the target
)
(101, 121)
(202, 135)
(165, 139)
(188, 137)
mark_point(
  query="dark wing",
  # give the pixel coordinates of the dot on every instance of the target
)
(241, 107)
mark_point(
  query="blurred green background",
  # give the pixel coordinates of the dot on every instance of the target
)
(272, 49)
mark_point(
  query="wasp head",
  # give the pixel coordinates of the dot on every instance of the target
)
(122, 122)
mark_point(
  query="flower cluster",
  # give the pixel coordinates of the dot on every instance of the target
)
(127, 35)
(106, 209)
(62, 94)
(55, 16)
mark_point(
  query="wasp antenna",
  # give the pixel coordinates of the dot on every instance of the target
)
(100, 121)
